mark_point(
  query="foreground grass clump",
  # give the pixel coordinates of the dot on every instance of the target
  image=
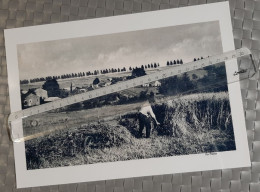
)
(193, 124)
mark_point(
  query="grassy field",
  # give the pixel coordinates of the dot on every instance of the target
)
(87, 80)
(192, 124)
(83, 81)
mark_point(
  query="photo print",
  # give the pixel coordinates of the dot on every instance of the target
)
(179, 115)
(186, 123)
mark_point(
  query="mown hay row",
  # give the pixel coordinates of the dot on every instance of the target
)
(195, 112)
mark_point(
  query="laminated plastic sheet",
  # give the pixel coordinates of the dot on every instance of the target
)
(246, 27)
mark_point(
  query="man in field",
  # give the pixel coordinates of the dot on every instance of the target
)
(146, 116)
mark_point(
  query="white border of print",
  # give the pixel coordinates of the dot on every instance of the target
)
(133, 168)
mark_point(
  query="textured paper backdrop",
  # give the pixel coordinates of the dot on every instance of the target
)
(246, 28)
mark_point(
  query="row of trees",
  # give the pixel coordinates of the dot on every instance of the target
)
(104, 71)
(25, 81)
(152, 65)
(88, 73)
(174, 62)
(197, 59)
(112, 70)
(97, 72)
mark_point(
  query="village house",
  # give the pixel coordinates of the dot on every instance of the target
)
(156, 84)
(146, 85)
(41, 93)
(82, 90)
(104, 83)
(24, 92)
(90, 88)
(95, 86)
(30, 99)
(78, 90)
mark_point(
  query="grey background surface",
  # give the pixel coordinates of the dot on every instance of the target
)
(246, 27)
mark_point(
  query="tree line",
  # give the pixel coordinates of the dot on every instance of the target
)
(88, 73)
(97, 72)
(73, 75)
(174, 62)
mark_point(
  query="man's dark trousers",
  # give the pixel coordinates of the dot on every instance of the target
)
(144, 121)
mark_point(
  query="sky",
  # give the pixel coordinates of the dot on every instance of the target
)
(135, 48)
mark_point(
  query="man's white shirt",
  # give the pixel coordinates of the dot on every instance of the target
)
(147, 110)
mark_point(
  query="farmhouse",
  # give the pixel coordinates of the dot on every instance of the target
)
(146, 85)
(30, 99)
(82, 90)
(90, 88)
(94, 86)
(41, 93)
(156, 84)
(78, 90)
(23, 92)
(104, 83)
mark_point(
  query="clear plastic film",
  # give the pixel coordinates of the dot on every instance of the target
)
(123, 96)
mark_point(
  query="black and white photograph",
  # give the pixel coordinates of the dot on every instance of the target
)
(179, 115)
(189, 122)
